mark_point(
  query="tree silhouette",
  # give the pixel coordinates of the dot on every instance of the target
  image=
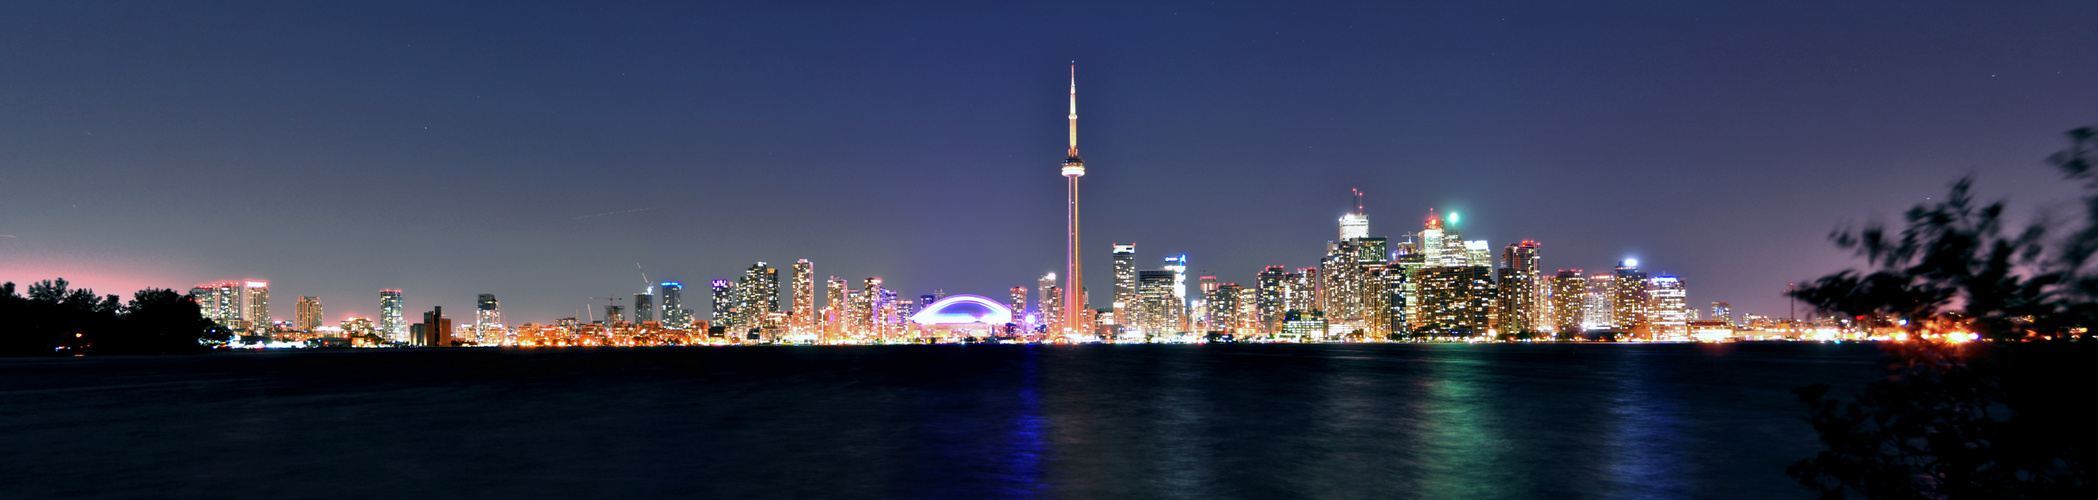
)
(54, 317)
(1999, 418)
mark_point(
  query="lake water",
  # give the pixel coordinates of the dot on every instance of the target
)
(991, 421)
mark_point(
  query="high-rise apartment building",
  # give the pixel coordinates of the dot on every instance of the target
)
(1019, 294)
(1722, 311)
(1457, 300)
(675, 316)
(1519, 290)
(1272, 287)
(1596, 313)
(1159, 309)
(309, 318)
(1052, 303)
(758, 294)
(837, 307)
(257, 300)
(645, 306)
(390, 312)
(1568, 301)
(803, 315)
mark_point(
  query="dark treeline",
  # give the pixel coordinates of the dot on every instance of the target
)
(53, 319)
(2008, 415)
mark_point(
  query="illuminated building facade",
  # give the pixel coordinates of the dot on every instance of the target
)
(1223, 308)
(1273, 293)
(1052, 303)
(1722, 311)
(1569, 294)
(390, 312)
(1520, 288)
(1628, 298)
(257, 300)
(1668, 312)
(1158, 310)
(675, 315)
(723, 312)
(836, 309)
(1456, 300)
(309, 314)
(803, 315)
(1019, 307)
(645, 306)
(1125, 297)
(757, 294)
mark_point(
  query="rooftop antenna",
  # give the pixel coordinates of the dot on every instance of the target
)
(1358, 199)
(647, 287)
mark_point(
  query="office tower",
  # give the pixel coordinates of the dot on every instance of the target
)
(258, 304)
(1456, 300)
(1340, 284)
(1248, 315)
(758, 294)
(1354, 225)
(1721, 311)
(1628, 300)
(309, 318)
(675, 316)
(645, 306)
(1411, 262)
(723, 312)
(1300, 291)
(1272, 284)
(871, 299)
(1052, 312)
(1518, 289)
(434, 331)
(1156, 305)
(1178, 265)
(1019, 294)
(390, 311)
(1569, 294)
(1595, 308)
(1125, 281)
(804, 313)
(1200, 308)
(1668, 312)
(1073, 168)
(1431, 240)
(488, 313)
(1477, 254)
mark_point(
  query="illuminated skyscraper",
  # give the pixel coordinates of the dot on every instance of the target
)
(758, 294)
(723, 312)
(1073, 168)
(258, 304)
(390, 311)
(1178, 265)
(1519, 289)
(1356, 224)
(309, 317)
(1272, 284)
(838, 307)
(1456, 300)
(804, 313)
(487, 312)
(1019, 306)
(1569, 294)
(645, 306)
(1051, 303)
(1125, 282)
(1223, 307)
(1154, 289)
(1722, 311)
(1595, 307)
(675, 315)
(1668, 313)
(1628, 299)
(872, 299)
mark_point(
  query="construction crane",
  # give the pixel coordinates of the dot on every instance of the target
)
(608, 308)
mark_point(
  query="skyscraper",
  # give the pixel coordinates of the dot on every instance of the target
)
(723, 310)
(1722, 311)
(1628, 299)
(758, 294)
(1668, 313)
(675, 316)
(1073, 168)
(645, 306)
(1019, 294)
(1178, 265)
(1125, 282)
(258, 305)
(1159, 309)
(1356, 224)
(1568, 300)
(1519, 289)
(804, 313)
(487, 314)
(837, 306)
(390, 316)
(1271, 284)
(1051, 303)
(309, 317)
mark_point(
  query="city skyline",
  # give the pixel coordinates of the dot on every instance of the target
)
(545, 188)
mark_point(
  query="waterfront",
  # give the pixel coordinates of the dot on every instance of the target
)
(957, 421)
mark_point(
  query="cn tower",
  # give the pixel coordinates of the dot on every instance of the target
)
(1074, 282)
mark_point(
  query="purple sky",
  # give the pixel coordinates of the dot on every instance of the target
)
(456, 149)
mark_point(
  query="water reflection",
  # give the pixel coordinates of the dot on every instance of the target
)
(1457, 450)
(1021, 471)
(1646, 450)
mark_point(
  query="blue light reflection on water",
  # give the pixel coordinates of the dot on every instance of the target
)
(1026, 445)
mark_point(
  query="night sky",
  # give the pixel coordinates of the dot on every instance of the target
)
(539, 151)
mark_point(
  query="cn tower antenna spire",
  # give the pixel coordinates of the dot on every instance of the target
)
(1074, 108)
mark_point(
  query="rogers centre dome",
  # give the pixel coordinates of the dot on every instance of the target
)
(964, 310)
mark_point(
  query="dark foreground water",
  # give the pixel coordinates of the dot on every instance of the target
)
(1098, 421)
